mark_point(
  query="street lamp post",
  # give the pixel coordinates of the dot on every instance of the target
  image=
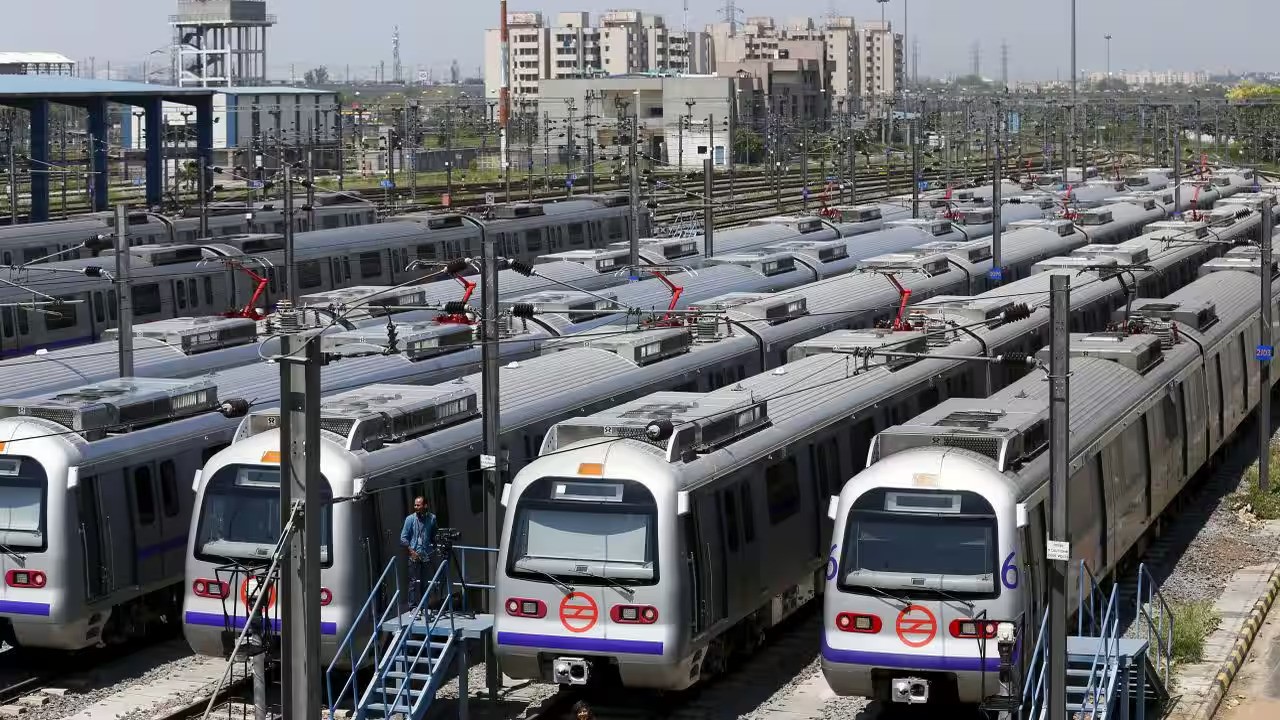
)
(1108, 39)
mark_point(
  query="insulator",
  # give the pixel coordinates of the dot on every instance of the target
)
(456, 265)
(1016, 312)
(523, 268)
(234, 407)
(522, 310)
(455, 307)
(93, 271)
(1015, 358)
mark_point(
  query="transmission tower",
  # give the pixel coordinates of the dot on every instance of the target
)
(397, 70)
(1004, 63)
(975, 59)
(731, 11)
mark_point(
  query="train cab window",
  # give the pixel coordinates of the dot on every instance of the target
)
(782, 486)
(309, 274)
(169, 489)
(748, 514)
(146, 299)
(208, 290)
(144, 498)
(576, 237)
(370, 265)
(60, 317)
(24, 490)
(239, 515)
(6, 322)
(533, 241)
(111, 304)
(730, 520)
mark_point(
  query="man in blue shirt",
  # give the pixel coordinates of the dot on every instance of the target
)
(418, 537)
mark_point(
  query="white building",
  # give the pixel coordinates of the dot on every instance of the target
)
(36, 63)
(622, 42)
(1143, 78)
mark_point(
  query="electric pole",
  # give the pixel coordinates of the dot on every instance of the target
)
(1264, 376)
(1059, 548)
(996, 201)
(124, 293)
(311, 189)
(300, 500)
(13, 175)
(634, 189)
(708, 208)
(490, 412)
(914, 132)
(203, 189)
(290, 261)
(1177, 166)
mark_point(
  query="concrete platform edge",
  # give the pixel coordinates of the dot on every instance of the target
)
(1240, 649)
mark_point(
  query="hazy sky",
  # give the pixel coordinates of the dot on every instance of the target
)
(1148, 34)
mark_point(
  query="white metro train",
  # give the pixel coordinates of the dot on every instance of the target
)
(947, 525)
(648, 543)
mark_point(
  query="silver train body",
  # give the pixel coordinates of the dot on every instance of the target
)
(21, 244)
(178, 280)
(722, 529)
(589, 371)
(937, 533)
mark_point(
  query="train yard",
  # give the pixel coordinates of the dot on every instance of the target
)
(498, 460)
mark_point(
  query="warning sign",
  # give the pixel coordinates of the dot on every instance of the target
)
(578, 612)
(916, 626)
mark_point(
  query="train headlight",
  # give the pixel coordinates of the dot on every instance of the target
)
(25, 579)
(525, 607)
(858, 623)
(634, 614)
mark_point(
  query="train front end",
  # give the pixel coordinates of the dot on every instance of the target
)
(922, 580)
(589, 575)
(236, 529)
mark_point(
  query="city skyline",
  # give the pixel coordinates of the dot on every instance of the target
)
(305, 35)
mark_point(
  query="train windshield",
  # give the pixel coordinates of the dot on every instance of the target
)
(240, 515)
(586, 533)
(922, 543)
(23, 493)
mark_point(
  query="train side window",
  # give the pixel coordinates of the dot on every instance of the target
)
(748, 514)
(309, 274)
(370, 265)
(730, 520)
(576, 236)
(6, 321)
(427, 251)
(783, 489)
(208, 290)
(61, 317)
(533, 240)
(192, 296)
(143, 497)
(346, 267)
(146, 299)
(99, 315)
(180, 294)
(111, 305)
(169, 489)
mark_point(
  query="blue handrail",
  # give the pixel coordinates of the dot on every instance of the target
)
(348, 641)
(1156, 621)
(1086, 602)
(396, 656)
(1104, 670)
(1035, 672)
(462, 570)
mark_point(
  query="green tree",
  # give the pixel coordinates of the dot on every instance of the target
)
(749, 145)
(316, 76)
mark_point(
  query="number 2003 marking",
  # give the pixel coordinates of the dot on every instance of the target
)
(1009, 572)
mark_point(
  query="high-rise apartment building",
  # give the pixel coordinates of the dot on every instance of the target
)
(621, 42)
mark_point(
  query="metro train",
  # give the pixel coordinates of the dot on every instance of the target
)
(105, 559)
(177, 280)
(947, 525)
(443, 462)
(699, 521)
(80, 237)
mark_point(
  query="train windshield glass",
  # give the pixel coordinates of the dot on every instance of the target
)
(585, 532)
(240, 515)
(920, 543)
(23, 489)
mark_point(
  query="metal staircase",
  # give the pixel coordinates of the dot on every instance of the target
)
(412, 654)
(1108, 675)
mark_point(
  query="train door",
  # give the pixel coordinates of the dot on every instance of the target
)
(116, 531)
(93, 540)
(738, 565)
(173, 521)
(752, 549)
(147, 526)
(708, 552)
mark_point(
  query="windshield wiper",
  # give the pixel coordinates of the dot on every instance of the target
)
(20, 557)
(948, 596)
(625, 588)
(566, 587)
(886, 593)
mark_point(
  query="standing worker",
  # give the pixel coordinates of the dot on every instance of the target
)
(418, 537)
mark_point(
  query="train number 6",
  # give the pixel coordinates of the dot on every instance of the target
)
(1009, 572)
